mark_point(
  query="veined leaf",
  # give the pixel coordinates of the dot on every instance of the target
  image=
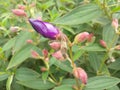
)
(20, 56)
(3, 76)
(81, 14)
(109, 35)
(25, 74)
(102, 82)
(93, 47)
(37, 84)
(64, 87)
(21, 39)
(9, 44)
(63, 65)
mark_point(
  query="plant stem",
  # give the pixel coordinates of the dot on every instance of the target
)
(52, 77)
(73, 65)
(105, 9)
(109, 50)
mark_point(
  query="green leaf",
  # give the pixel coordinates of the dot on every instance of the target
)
(63, 65)
(93, 47)
(109, 35)
(25, 74)
(9, 82)
(114, 88)
(9, 44)
(37, 84)
(20, 56)
(95, 60)
(102, 82)
(21, 39)
(68, 82)
(45, 75)
(64, 87)
(3, 76)
(77, 54)
(16, 86)
(81, 14)
(115, 65)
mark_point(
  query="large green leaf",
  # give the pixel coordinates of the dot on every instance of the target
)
(95, 60)
(64, 87)
(9, 44)
(25, 74)
(109, 35)
(64, 65)
(114, 88)
(21, 39)
(77, 54)
(81, 14)
(115, 65)
(21, 56)
(3, 76)
(93, 47)
(68, 82)
(37, 84)
(102, 82)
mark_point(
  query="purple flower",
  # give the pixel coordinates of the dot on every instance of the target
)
(44, 28)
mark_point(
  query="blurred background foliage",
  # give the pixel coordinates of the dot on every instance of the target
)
(71, 17)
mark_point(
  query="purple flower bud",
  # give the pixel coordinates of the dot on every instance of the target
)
(44, 28)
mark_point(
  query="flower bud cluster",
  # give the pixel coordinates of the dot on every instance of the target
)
(20, 11)
(103, 43)
(60, 47)
(82, 37)
(79, 73)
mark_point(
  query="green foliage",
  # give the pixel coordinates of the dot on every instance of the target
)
(102, 82)
(20, 69)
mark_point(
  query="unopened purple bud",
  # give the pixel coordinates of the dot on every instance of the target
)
(44, 28)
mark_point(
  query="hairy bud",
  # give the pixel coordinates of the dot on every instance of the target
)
(103, 43)
(80, 74)
(34, 54)
(58, 55)
(81, 37)
(29, 41)
(19, 12)
(115, 23)
(55, 45)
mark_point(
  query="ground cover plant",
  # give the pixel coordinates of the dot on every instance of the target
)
(59, 45)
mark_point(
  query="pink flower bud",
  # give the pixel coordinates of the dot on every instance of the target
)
(90, 36)
(117, 47)
(21, 7)
(45, 53)
(55, 45)
(80, 74)
(14, 29)
(58, 55)
(103, 43)
(33, 5)
(19, 12)
(81, 37)
(29, 41)
(34, 54)
(47, 59)
(115, 23)
(43, 69)
(39, 18)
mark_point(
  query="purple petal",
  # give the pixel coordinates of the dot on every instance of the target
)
(44, 28)
(39, 26)
(52, 30)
